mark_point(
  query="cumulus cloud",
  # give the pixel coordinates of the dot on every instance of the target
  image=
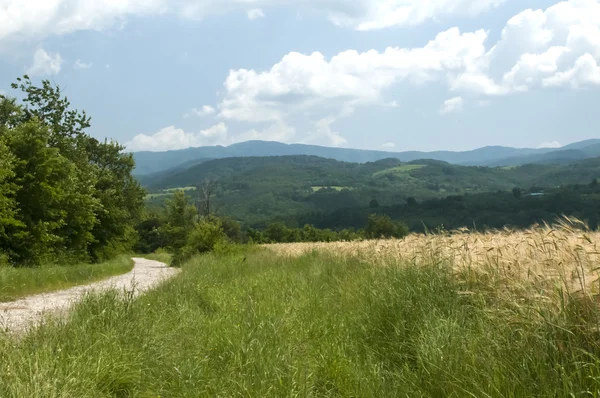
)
(558, 46)
(206, 110)
(452, 105)
(79, 64)
(45, 63)
(389, 145)
(27, 19)
(551, 144)
(349, 79)
(172, 138)
(555, 47)
(255, 13)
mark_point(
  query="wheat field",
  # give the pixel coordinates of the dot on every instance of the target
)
(542, 261)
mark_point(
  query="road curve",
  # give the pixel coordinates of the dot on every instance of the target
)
(27, 312)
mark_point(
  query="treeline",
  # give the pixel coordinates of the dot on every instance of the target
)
(64, 196)
(518, 208)
(185, 229)
(377, 226)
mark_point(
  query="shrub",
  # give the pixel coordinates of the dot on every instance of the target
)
(204, 238)
(382, 226)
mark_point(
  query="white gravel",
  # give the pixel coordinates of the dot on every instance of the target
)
(27, 312)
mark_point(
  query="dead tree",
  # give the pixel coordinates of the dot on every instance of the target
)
(206, 191)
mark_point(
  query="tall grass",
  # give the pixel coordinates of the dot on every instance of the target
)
(315, 325)
(19, 282)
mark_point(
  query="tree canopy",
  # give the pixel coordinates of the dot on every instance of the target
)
(63, 194)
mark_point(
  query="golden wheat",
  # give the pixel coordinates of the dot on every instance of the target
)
(542, 260)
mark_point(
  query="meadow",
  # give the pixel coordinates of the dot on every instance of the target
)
(503, 314)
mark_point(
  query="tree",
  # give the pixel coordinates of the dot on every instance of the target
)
(206, 190)
(373, 204)
(65, 194)
(382, 226)
(517, 192)
(180, 221)
(55, 205)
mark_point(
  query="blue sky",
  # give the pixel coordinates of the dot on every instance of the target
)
(374, 74)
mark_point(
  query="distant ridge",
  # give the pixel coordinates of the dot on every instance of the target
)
(156, 162)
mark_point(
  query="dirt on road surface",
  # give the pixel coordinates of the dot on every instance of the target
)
(27, 312)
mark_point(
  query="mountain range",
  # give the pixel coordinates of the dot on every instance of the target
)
(493, 156)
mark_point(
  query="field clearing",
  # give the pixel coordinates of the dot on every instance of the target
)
(537, 261)
(404, 169)
(337, 188)
(168, 192)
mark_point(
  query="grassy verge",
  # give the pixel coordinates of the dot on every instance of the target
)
(19, 282)
(266, 326)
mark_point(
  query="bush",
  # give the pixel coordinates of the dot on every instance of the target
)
(205, 236)
(382, 226)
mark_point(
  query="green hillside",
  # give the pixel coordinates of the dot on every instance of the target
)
(256, 190)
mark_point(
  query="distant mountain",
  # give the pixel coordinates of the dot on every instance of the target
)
(568, 154)
(155, 162)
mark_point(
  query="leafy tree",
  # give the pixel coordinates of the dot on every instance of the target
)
(373, 204)
(8, 206)
(382, 226)
(180, 221)
(63, 194)
(517, 192)
(55, 204)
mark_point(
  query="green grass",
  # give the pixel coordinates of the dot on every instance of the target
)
(404, 169)
(263, 326)
(19, 282)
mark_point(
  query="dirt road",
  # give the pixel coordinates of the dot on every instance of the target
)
(21, 314)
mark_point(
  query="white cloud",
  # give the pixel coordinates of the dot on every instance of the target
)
(206, 110)
(37, 19)
(452, 105)
(255, 13)
(45, 63)
(323, 133)
(79, 64)
(171, 138)
(389, 145)
(551, 144)
(349, 79)
(559, 46)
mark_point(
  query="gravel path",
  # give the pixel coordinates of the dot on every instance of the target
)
(21, 314)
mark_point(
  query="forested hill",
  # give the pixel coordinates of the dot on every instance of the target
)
(156, 162)
(257, 190)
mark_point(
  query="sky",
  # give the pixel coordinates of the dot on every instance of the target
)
(372, 74)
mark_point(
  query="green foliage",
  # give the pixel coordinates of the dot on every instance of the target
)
(63, 194)
(382, 226)
(181, 217)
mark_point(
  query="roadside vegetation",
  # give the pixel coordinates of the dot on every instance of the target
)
(284, 323)
(16, 283)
